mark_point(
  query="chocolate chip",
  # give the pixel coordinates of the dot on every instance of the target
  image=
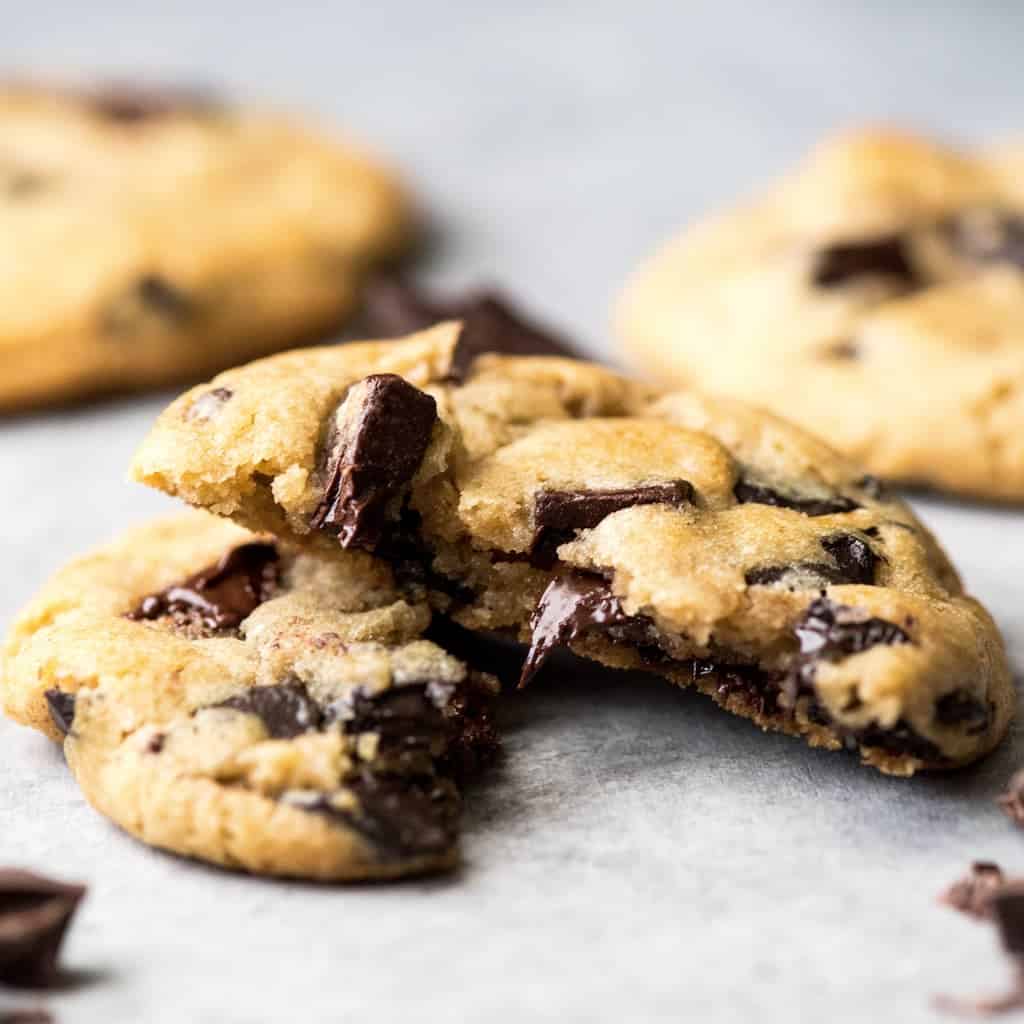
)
(832, 632)
(573, 603)
(750, 492)
(152, 301)
(208, 404)
(962, 708)
(380, 436)
(986, 236)
(155, 744)
(844, 351)
(1012, 801)
(886, 256)
(133, 104)
(286, 709)
(901, 739)
(159, 295)
(1008, 911)
(854, 557)
(557, 515)
(400, 816)
(973, 894)
(61, 706)
(34, 915)
(221, 596)
(395, 307)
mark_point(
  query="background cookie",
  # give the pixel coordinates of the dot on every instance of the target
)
(147, 237)
(569, 506)
(223, 699)
(876, 297)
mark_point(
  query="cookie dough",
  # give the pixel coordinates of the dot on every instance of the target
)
(557, 502)
(225, 699)
(152, 237)
(875, 296)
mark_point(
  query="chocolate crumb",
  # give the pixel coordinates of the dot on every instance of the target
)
(35, 913)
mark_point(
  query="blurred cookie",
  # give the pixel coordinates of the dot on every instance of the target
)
(876, 297)
(148, 237)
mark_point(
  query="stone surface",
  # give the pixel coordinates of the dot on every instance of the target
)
(641, 856)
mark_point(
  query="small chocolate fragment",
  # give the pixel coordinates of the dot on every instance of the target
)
(394, 307)
(400, 816)
(749, 492)
(286, 709)
(843, 262)
(380, 437)
(151, 302)
(844, 351)
(855, 558)
(207, 405)
(962, 708)
(973, 894)
(221, 596)
(831, 632)
(131, 104)
(1012, 801)
(986, 236)
(34, 915)
(573, 603)
(61, 706)
(557, 515)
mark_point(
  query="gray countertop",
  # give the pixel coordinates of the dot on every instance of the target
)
(640, 856)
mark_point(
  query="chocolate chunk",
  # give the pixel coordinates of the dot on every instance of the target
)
(61, 706)
(973, 894)
(400, 816)
(380, 437)
(159, 295)
(152, 301)
(854, 557)
(573, 603)
(395, 307)
(901, 739)
(133, 104)
(34, 915)
(831, 632)
(758, 690)
(986, 236)
(286, 709)
(221, 596)
(208, 404)
(474, 744)
(886, 256)
(962, 708)
(749, 492)
(557, 515)
(1012, 801)
(1008, 912)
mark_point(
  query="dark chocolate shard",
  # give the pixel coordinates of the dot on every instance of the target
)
(394, 307)
(855, 558)
(286, 709)
(399, 816)
(221, 596)
(831, 632)
(208, 404)
(557, 515)
(751, 492)
(35, 913)
(973, 894)
(887, 256)
(61, 706)
(962, 708)
(1012, 801)
(986, 236)
(573, 603)
(377, 444)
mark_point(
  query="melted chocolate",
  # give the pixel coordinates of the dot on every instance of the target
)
(374, 454)
(61, 706)
(749, 492)
(35, 913)
(557, 515)
(395, 307)
(845, 262)
(221, 596)
(831, 632)
(286, 709)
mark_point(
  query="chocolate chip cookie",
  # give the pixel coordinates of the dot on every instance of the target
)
(567, 506)
(158, 236)
(224, 698)
(876, 297)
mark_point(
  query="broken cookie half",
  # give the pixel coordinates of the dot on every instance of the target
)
(557, 502)
(225, 699)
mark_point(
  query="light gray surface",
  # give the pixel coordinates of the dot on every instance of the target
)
(641, 856)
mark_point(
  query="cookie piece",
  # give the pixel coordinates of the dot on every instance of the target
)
(565, 505)
(876, 297)
(221, 698)
(189, 237)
